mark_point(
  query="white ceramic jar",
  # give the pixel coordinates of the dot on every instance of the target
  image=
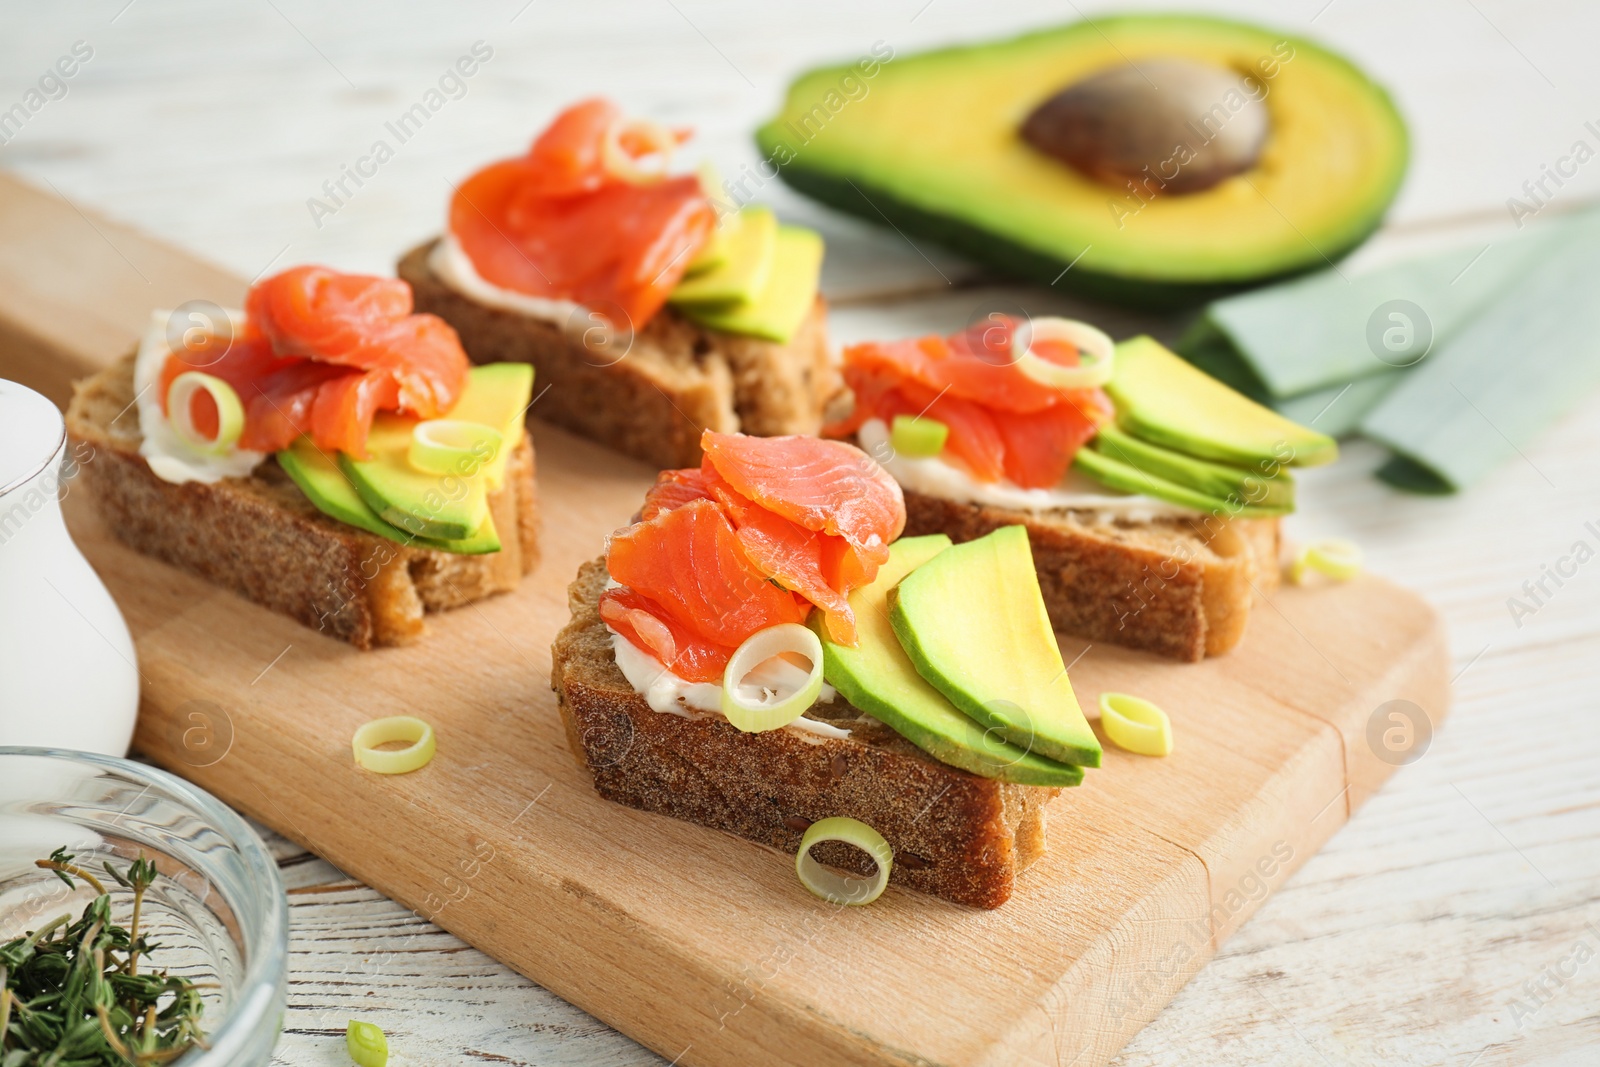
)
(67, 669)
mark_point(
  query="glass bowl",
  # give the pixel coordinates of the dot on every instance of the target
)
(218, 914)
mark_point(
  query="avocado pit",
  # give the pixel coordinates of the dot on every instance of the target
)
(1169, 126)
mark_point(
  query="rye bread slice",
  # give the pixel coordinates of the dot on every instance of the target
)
(260, 537)
(676, 379)
(955, 835)
(1173, 586)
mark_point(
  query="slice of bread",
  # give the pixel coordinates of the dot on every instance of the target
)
(955, 835)
(676, 379)
(1177, 587)
(262, 538)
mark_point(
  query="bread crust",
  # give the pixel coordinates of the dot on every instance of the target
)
(1176, 587)
(955, 835)
(260, 537)
(676, 379)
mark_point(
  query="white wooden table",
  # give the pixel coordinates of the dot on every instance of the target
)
(1454, 921)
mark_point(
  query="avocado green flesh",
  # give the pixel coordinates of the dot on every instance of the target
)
(1119, 475)
(877, 676)
(497, 394)
(783, 302)
(751, 247)
(326, 486)
(1216, 480)
(973, 622)
(933, 149)
(1162, 398)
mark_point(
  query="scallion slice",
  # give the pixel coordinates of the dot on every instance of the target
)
(1095, 353)
(419, 750)
(918, 436)
(180, 411)
(656, 140)
(453, 446)
(755, 694)
(1135, 724)
(367, 1045)
(838, 888)
(1334, 557)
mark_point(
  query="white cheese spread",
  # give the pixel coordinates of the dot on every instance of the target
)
(171, 458)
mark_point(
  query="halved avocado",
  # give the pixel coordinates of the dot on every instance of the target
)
(935, 147)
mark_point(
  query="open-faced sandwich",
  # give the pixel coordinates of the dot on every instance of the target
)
(651, 307)
(324, 452)
(1151, 492)
(761, 652)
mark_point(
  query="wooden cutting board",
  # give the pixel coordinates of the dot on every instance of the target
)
(698, 944)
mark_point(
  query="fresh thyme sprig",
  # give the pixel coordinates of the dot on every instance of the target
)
(71, 994)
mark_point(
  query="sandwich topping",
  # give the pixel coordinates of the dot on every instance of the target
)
(592, 226)
(1049, 416)
(763, 532)
(589, 216)
(335, 375)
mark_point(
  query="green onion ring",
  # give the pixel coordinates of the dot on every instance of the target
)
(622, 164)
(367, 1045)
(918, 436)
(1135, 724)
(755, 716)
(1337, 558)
(230, 412)
(838, 888)
(453, 446)
(395, 761)
(1096, 353)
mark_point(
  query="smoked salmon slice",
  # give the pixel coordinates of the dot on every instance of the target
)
(1003, 423)
(648, 626)
(562, 223)
(827, 486)
(322, 353)
(806, 522)
(689, 563)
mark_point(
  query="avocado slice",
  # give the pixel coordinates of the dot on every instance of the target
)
(448, 507)
(973, 622)
(1203, 476)
(783, 303)
(747, 263)
(933, 146)
(327, 487)
(877, 677)
(1166, 400)
(497, 394)
(1130, 479)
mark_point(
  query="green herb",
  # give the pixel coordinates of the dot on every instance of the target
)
(72, 993)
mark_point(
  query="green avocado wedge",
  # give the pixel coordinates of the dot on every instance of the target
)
(1210, 479)
(751, 247)
(785, 299)
(1130, 479)
(447, 507)
(498, 395)
(1162, 398)
(327, 487)
(973, 623)
(878, 677)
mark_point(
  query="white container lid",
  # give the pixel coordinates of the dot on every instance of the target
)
(32, 431)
